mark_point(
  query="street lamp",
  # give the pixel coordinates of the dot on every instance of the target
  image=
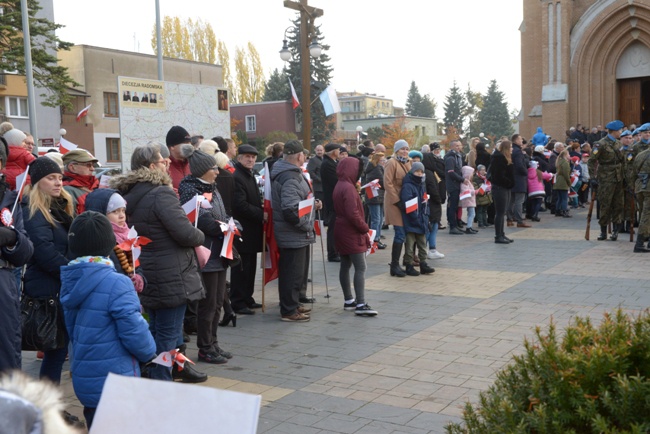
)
(307, 16)
(359, 131)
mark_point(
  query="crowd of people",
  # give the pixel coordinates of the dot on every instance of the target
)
(104, 256)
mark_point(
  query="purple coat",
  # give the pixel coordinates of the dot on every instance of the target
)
(351, 234)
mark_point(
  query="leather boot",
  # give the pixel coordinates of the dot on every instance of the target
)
(425, 269)
(188, 374)
(501, 240)
(411, 271)
(395, 269)
(603, 233)
(616, 229)
(640, 247)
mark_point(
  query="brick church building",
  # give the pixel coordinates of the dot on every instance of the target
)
(584, 61)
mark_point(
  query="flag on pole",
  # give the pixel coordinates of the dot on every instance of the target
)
(229, 231)
(372, 234)
(318, 227)
(190, 208)
(272, 253)
(372, 188)
(294, 97)
(305, 207)
(411, 205)
(330, 101)
(66, 146)
(83, 113)
(21, 181)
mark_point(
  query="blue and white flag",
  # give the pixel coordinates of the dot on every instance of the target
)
(330, 101)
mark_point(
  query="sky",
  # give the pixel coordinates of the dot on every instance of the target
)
(375, 47)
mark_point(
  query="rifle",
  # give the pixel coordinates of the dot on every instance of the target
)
(632, 217)
(591, 211)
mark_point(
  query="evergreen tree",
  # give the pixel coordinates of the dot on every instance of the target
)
(495, 118)
(427, 108)
(474, 106)
(455, 107)
(376, 134)
(321, 71)
(277, 87)
(47, 72)
(413, 101)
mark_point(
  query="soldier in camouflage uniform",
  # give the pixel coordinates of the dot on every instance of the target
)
(606, 165)
(642, 189)
(626, 142)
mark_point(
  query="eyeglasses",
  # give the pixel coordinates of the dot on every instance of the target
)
(29, 143)
(215, 168)
(89, 164)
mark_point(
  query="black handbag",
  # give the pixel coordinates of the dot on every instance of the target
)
(42, 323)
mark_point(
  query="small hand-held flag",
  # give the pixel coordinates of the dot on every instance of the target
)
(229, 231)
(294, 97)
(372, 188)
(305, 207)
(372, 234)
(190, 208)
(21, 181)
(66, 146)
(411, 205)
(83, 113)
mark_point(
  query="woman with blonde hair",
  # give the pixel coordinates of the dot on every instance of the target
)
(471, 155)
(502, 176)
(48, 214)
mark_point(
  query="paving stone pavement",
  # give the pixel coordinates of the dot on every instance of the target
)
(438, 340)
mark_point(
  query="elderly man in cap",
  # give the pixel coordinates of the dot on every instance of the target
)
(78, 176)
(293, 233)
(329, 179)
(179, 167)
(248, 210)
(313, 168)
(606, 169)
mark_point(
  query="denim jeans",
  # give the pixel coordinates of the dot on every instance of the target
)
(471, 213)
(516, 206)
(52, 364)
(376, 217)
(562, 200)
(166, 326)
(431, 236)
(400, 235)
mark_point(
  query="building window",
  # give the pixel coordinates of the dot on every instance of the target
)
(251, 125)
(16, 107)
(110, 104)
(113, 149)
(356, 106)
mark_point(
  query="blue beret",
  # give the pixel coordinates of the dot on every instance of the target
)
(635, 132)
(644, 127)
(615, 125)
(626, 133)
(415, 153)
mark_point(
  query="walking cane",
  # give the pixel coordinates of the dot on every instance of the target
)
(322, 249)
(311, 257)
(263, 268)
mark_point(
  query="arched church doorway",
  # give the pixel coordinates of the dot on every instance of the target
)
(633, 80)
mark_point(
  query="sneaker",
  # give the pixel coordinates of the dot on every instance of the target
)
(223, 353)
(296, 317)
(304, 310)
(212, 357)
(350, 306)
(434, 254)
(365, 310)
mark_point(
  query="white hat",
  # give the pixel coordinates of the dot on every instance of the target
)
(14, 137)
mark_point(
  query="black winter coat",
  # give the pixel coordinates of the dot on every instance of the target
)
(226, 187)
(168, 262)
(501, 173)
(432, 187)
(371, 173)
(520, 163)
(439, 165)
(248, 210)
(453, 173)
(329, 178)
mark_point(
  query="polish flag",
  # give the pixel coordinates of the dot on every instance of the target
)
(294, 97)
(425, 197)
(21, 181)
(372, 234)
(190, 208)
(318, 227)
(66, 146)
(411, 205)
(83, 113)
(372, 188)
(272, 254)
(229, 231)
(305, 207)
(574, 179)
(483, 189)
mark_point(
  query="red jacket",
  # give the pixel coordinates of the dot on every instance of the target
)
(351, 234)
(178, 169)
(17, 161)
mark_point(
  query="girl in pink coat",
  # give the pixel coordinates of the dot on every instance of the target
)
(536, 191)
(466, 201)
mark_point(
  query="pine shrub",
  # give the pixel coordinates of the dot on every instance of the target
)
(591, 380)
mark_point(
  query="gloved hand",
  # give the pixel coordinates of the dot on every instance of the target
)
(7, 237)
(138, 282)
(593, 183)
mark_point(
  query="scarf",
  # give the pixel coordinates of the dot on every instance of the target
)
(92, 259)
(402, 160)
(121, 232)
(88, 182)
(57, 209)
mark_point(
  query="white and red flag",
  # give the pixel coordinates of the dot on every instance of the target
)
(411, 205)
(305, 207)
(574, 178)
(372, 234)
(484, 188)
(229, 231)
(318, 227)
(425, 197)
(65, 146)
(272, 254)
(372, 188)
(83, 112)
(168, 358)
(294, 97)
(191, 209)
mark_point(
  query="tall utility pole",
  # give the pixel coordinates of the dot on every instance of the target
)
(31, 96)
(307, 16)
(159, 42)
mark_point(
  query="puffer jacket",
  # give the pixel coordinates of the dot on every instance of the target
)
(470, 202)
(417, 221)
(17, 161)
(535, 186)
(289, 187)
(351, 235)
(168, 262)
(484, 199)
(107, 331)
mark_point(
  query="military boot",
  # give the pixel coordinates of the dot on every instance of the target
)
(639, 247)
(616, 228)
(603, 233)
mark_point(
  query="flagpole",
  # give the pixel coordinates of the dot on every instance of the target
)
(196, 210)
(20, 191)
(322, 249)
(311, 256)
(263, 267)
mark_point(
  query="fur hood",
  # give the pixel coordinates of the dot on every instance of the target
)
(30, 406)
(124, 183)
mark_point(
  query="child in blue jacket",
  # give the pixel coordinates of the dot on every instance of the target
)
(101, 311)
(415, 215)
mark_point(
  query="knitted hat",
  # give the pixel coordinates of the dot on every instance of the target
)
(200, 162)
(4, 151)
(115, 202)
(399, 145)
(91, 234)
(415, 153)
(540, 149)
(434, 145)
(534, 164)
(177, 135)
(14, 137)
(417, 166)
(41, 167)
